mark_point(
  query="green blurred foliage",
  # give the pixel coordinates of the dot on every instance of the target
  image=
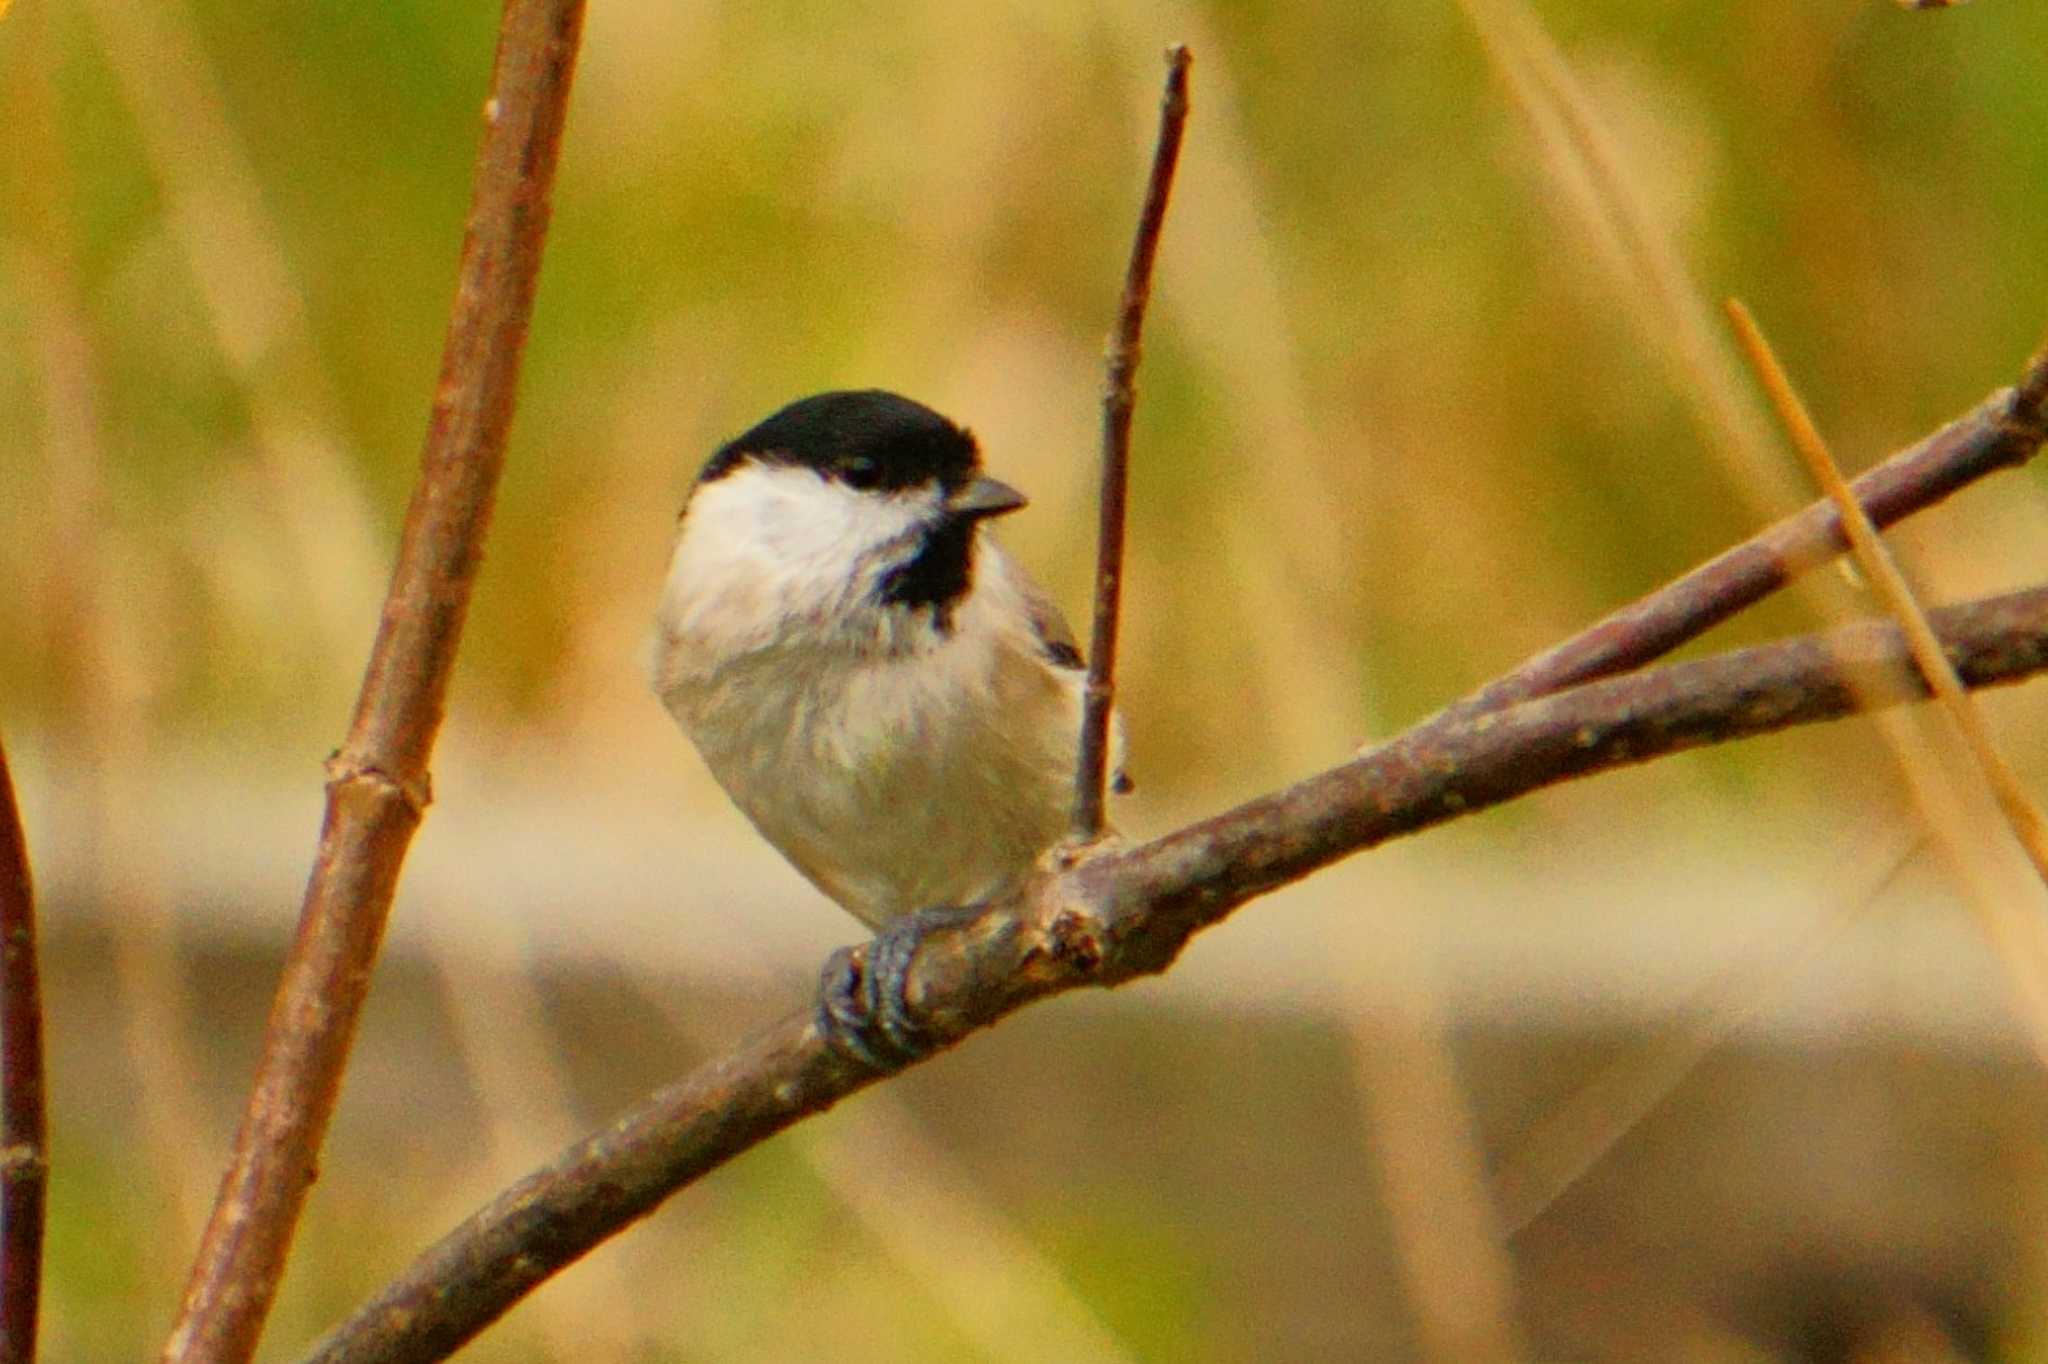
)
(1398, 429)
(1375, 329)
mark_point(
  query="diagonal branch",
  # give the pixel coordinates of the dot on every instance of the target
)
(378, 784)
(24, 1157)
(1128, 912)
(1119, 397)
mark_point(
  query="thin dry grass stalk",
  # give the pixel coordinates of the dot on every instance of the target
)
(1119, 398)
(378, 785)
(24, 1156)
(1557, 1151)
(1587, 165)
(256, 314)
(96, 651)
(1450, 1244)
(2009, 910)
(1128, 912)
(514, 1066)
(1884, 575)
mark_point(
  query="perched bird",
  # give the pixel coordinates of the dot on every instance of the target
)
(876, 684)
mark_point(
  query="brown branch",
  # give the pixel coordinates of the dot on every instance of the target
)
(1119, 397)
(24, 1158)
(378, 783)
(1128, 912)
(2004, 431)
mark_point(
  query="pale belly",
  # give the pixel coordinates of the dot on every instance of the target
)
(890, 801)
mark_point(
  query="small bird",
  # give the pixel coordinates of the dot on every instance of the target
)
(876, 684)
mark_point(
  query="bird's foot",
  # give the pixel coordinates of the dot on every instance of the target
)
(862, 1008)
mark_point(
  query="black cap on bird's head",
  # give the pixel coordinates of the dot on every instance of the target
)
(885, 445)
(865, 438)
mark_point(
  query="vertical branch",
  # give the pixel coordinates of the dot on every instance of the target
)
(24, 1162)
(1119, 396)
(378, 784)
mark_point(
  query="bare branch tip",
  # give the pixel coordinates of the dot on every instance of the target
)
(2030, 395)
(1175, 99)
(1119, 399)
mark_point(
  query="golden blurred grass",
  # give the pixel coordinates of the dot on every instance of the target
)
(1389, 395)
(1397, 429)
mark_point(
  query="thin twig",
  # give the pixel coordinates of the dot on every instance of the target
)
(2004, 431)
(378, 786)
(1891, 586)
(1119, 396)
(1128, 912)
(24, 1158)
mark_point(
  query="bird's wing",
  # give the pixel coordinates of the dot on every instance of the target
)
(1056, 638)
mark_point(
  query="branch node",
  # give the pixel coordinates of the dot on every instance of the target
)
(1074, 939)
(23, 1161)
(2030, 395)
(416, 796)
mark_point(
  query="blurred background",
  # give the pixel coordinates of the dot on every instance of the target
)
(1706, 1061)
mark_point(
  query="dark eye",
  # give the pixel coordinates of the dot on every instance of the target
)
(861, 471)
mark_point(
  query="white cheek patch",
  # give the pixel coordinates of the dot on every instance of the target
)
(767, 545)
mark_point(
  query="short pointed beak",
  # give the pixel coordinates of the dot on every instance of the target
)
(985, 497)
